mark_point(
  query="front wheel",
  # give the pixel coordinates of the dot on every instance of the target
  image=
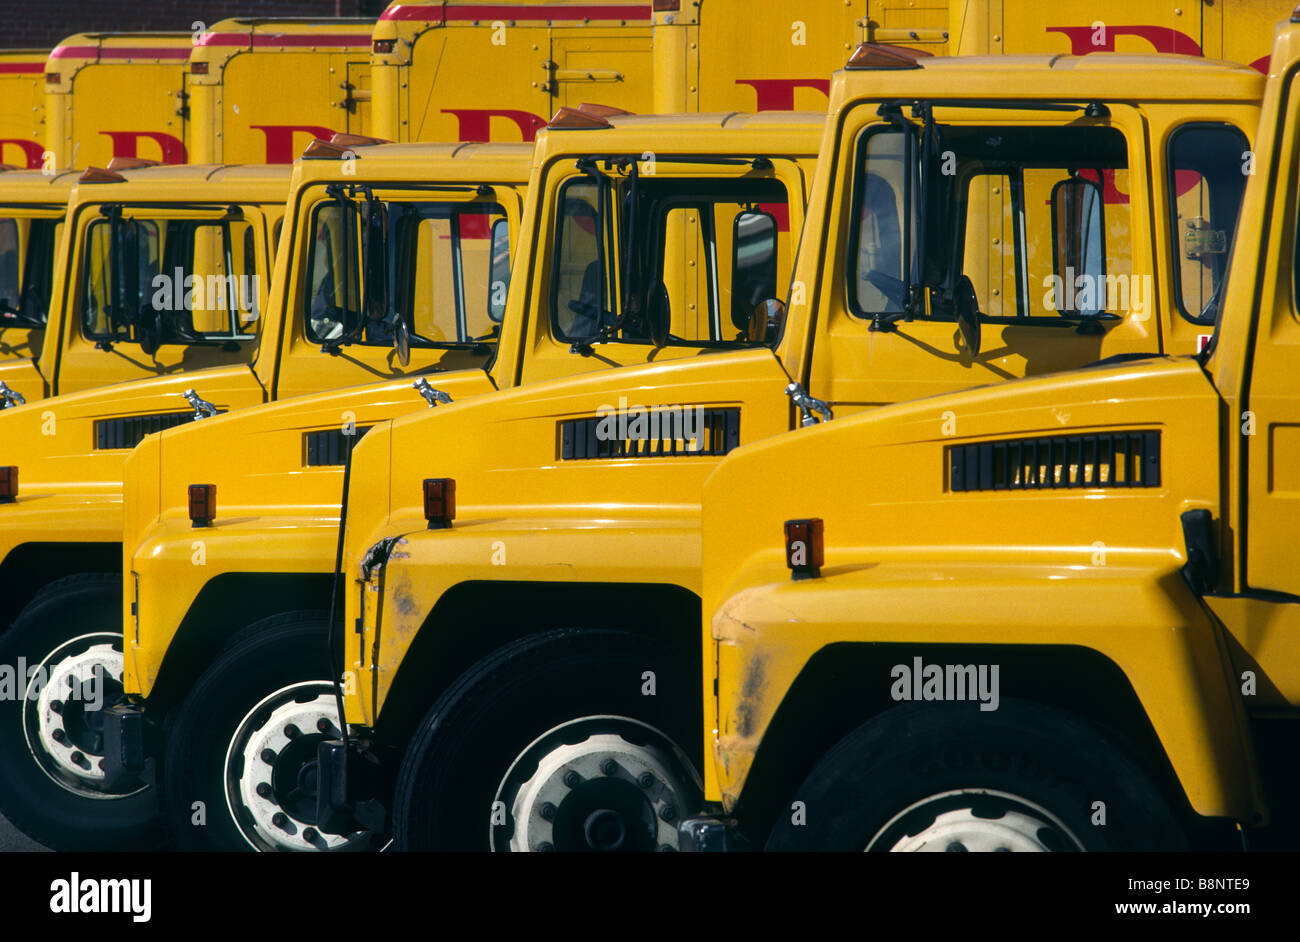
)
(564, 741)
(61, 667)
(240, 760)
(945, 777)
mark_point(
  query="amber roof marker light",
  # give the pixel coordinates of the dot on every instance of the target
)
(874, 56)
(803, 547)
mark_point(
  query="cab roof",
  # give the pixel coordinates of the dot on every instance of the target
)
(33, 186)
(204, 183)
(721, 133)
(1101, 75)
(430, 162)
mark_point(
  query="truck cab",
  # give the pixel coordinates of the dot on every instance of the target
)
(873, 655)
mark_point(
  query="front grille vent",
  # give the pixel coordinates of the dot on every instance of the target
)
(679, 431)
(328, 446)
(129, 431)
(1111, 460)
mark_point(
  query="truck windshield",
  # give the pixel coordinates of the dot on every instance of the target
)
(170, 281)
(1036, 217)
(704, 246)
(26, 269)
(374, 263)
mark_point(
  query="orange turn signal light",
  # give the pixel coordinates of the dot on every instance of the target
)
(198, 68)
(8, 484)
(803, 547)
(203, 504)
(877, 56)
(383, 46)
(439, 502)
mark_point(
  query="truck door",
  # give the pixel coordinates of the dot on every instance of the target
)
(612, 66)
(356, 97)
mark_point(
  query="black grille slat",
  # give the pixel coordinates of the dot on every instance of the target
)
(329, 447)
(1120, 459)
(129, 431)
(719, 434)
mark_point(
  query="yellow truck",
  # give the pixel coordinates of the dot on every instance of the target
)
(259, 90)
(730, 55)
(22, 107)
(115, 95)
(157, 270)
(32, 209)
(573, 544)
(428, 212)
(717, 213)
(1054, 614)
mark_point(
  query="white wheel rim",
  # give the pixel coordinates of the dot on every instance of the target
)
(607, 783)
(65, 736)
(256, 789)
(975, 820)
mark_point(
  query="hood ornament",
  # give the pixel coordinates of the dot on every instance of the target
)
(202, 408)
(431, 395)
(10, 397)
(808, 405)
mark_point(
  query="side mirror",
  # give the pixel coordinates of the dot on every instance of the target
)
(966, 309)
(376, 262)
(402, 342)
(1078, 237)
(659, 314)
(753, 265)
(765, 320)
(499, 270)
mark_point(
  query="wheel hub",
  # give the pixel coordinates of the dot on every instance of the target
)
(602, 784)
(63, 713)
(272, 775)
(975, 820)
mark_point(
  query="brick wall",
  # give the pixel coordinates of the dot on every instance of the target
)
(42, 23)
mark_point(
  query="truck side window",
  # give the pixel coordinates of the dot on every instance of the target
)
(1207, 178)
(10, 258)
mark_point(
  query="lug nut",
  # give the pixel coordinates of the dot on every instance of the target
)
(544, 847)
(264, 790)
(279, 819)
(59, 736)
(645, 780)
(956, 847)
(268, 756)
(324, 725)
(79, 759)
(667, 812)
(56, 706)
(547, 811)
(293, 732)
(309, 835)
(572, 779)
(609, 767)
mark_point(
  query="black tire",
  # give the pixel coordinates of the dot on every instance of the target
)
(857, 794)
(483, 723)
(283, 651)
(40, 793)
